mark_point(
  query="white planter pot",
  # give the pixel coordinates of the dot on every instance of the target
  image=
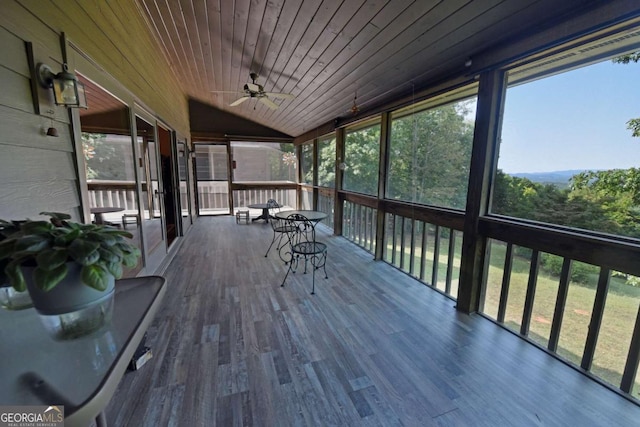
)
(71, 309)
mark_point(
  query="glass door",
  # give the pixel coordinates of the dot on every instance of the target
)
(155, 247)
(212, 176)
(168, 188)
(109, 165)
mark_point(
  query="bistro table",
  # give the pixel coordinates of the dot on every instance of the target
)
(103, 210)
(286, 253)
(313, 216)
(80, 374)
(265, 211)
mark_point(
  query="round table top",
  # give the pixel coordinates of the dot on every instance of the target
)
(310, 215)
(262, 206)
(105, 209)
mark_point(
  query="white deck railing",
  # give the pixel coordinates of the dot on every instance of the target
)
(212, 195)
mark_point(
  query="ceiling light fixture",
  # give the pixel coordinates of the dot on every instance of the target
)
(67, 90)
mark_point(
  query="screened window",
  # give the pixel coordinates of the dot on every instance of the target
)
(430, 154)
(108, 157)
(307, 163)
(263, 162)
(327, 161)
(211, 162)
(361, 163)
(569, 148)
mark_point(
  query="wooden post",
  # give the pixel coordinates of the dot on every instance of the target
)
(483, 160)
(338, 197)
(385, 128)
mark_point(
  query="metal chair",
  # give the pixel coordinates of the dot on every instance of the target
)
(277, 225)
(301, 236)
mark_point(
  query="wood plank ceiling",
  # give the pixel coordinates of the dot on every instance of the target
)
(323, 51)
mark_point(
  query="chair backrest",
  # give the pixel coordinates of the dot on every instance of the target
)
(273, 205)
(300, 229)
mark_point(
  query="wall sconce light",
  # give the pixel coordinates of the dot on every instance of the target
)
(67, 90)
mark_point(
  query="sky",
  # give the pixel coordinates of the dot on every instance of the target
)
(573, 121)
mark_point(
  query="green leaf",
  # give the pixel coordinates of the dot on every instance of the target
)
(83, 251)
(103, 238)
(114, 250)
(50, 259)
(130, 259)
(115, 268)
(117, 232)
(108, 256)
(66, 236)
(15, 276)
(47, 280)
(36, 227)
(7, 247)
(95, 276)
(33, 243)
(56, 215)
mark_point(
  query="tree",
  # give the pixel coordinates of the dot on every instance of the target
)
(633, 124)
(362, 151)
(430, 155)
(101, 158)
(327, 162)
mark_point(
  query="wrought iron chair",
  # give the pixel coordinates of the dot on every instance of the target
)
(302, 241)
(277, 225)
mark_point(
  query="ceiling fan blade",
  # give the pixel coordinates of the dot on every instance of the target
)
(280, 95)
(269, 103)
(238, 101)
(238, 92)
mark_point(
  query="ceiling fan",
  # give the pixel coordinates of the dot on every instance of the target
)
(254, 90)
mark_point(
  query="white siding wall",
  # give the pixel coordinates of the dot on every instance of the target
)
(37, 172)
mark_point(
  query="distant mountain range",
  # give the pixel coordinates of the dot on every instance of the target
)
(557, 178)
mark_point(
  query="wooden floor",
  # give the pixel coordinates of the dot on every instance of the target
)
(371, 347)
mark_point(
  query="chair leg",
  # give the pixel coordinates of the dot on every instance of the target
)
(324, 265)
(288, 270)
(272, 240)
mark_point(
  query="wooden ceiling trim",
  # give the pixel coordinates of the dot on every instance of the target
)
(155, 33)
(199, 18)
(391, 72)
(292, 41)
(366, 43)
(255, 18)
(334, 27)
(215, 43)
(226, 29)
(241, 14)
(284, 22)
(307, 49)
(188, 32)
(176, 31)
(163, 34)
(371, 62)
(318, 25)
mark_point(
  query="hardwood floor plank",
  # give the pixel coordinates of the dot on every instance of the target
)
(372, 347)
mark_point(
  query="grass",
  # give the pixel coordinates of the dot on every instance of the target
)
(621, 307)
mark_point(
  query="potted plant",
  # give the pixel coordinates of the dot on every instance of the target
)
(11, 299)
(68, 268)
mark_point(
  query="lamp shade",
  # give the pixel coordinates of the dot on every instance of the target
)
(67, 90)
